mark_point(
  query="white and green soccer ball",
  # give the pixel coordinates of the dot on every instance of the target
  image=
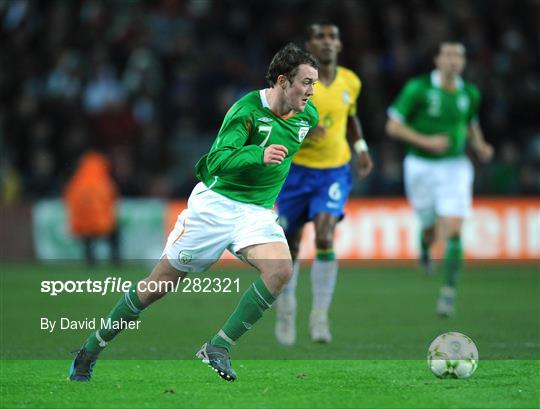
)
(452, 355)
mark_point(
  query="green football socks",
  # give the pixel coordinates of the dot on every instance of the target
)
(325, 254)
(127, 309)
(253, 303)
(453, 260)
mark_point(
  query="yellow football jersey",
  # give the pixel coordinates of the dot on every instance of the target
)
(335, 104)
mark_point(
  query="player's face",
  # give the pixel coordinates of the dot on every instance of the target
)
(298, 90)
(451, 59)
(324, 43)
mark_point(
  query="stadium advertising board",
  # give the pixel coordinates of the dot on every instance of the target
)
(374, 229)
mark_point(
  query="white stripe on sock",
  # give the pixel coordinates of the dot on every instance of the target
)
(129, 303)
(260, 296)
(225, 337)
(102, 342)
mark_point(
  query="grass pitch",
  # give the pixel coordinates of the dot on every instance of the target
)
(269, 384)
(382, 319)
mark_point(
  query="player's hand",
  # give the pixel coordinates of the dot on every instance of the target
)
(484, 151)
(317, 133)
(436, 143)
(365, 165)
(274, 154)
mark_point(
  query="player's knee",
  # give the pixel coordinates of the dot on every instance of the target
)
(453, 234)
(453, 231)
(282, 271)
(325, 241)
(429, 235)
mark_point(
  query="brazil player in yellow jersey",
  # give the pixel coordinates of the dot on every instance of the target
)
(319, 182)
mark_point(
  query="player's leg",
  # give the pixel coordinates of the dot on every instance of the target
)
(190, 247)
(454, 200)
(326, 209)
(292, 206)
(285, 305)
(127, 309)
(324, 271)
(273, 261)
(428, 235)
(420, 186)
(453, 261)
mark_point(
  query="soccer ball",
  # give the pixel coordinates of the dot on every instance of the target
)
(452, 355)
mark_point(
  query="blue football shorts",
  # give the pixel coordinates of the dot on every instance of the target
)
(308, 192)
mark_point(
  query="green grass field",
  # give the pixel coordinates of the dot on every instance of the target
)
(382, 320)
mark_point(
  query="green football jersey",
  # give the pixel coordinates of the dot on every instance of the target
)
(427, 108)
(234, 165)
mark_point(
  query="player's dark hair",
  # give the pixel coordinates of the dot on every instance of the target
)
(310, 28)
(286, 62)
(437, 49)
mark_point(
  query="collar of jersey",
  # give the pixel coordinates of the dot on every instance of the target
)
(265, 104)
(436, 80)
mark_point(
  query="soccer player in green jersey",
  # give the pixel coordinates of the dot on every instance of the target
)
(231, 209)
(435, 114)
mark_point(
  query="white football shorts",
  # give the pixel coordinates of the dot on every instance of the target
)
(439, 187)
(213, 223)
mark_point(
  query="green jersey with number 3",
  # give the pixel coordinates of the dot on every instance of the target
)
(427, 108)
(234, 165)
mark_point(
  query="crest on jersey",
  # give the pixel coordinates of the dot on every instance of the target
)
(463, 103)
(346, 97)
(302, 132)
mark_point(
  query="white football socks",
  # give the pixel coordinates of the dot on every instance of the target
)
(323, 282)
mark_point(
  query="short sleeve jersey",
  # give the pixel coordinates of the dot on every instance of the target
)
(335, 104)
(234, 165)
(427, 108)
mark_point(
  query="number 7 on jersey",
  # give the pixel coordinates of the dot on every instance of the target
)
(263, 129)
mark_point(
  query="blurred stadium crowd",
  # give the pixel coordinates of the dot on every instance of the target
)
(148, 82)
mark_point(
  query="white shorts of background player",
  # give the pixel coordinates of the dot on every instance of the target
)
(439, 187)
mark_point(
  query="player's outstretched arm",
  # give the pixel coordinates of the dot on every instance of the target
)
(432, 143)
(483, 150)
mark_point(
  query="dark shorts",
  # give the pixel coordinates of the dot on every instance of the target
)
(308, 192)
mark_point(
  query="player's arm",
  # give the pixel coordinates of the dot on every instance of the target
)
(403, 107)
(355, 136)
(432, 143)
(483, 149)
(398, 130)
(230, 154)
